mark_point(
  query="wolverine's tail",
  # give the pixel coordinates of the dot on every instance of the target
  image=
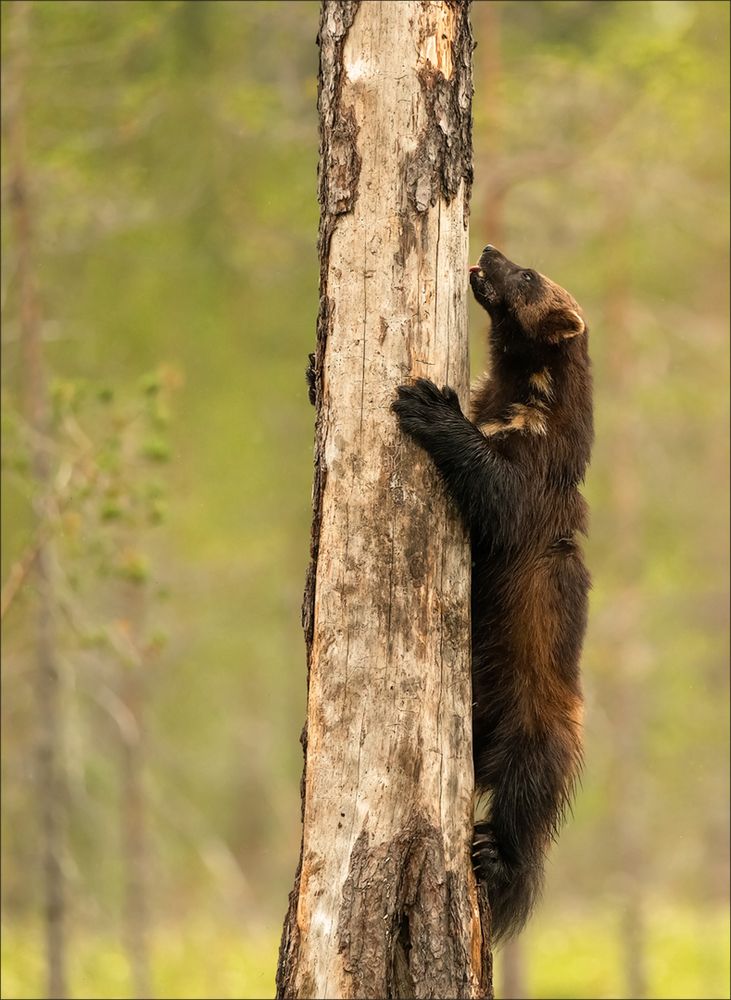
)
(512, 887)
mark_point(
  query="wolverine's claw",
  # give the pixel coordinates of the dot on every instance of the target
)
(423, 409)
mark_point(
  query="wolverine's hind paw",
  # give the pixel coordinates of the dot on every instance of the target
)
(487, 858)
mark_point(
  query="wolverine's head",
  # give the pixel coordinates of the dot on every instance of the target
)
(523, 303)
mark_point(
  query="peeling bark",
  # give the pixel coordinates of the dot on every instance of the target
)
(384, 902)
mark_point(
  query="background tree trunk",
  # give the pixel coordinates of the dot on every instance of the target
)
(385, 903)
(133, 798)
(496, 189)
(50, 789)
(627, 646)
(511, 971)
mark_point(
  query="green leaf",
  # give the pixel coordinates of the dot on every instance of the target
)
(156, 449)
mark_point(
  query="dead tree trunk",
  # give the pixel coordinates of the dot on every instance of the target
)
(50, 783)
(384, 903)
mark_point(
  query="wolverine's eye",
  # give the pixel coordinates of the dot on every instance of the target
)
(527, 276)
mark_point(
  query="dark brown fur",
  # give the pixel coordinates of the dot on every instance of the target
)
(514, 470)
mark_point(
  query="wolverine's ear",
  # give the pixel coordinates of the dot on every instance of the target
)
(562, 324)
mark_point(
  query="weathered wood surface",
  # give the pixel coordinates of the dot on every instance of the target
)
(384, 903)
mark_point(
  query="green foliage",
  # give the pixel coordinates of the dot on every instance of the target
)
(197, 961)
(100, 446)
(686, 951)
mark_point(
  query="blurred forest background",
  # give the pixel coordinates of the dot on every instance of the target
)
(160, 218)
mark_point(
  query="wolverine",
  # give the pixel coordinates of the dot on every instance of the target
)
(514, 469)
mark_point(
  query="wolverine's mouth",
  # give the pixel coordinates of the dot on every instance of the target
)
(482, 288)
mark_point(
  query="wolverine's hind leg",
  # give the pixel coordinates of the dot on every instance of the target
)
(531, 778)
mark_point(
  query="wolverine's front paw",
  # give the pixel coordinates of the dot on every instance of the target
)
(422, 408)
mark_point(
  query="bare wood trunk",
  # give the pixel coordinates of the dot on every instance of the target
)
(384, 903)
(51, 786)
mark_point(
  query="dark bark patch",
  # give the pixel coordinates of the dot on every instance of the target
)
(401, 922)
(338, 174)
(339, 165)
(443, 156)
(342, 164)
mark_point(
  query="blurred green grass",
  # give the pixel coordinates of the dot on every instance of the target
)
(687, 955)
(192, 960)
(576, 956)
